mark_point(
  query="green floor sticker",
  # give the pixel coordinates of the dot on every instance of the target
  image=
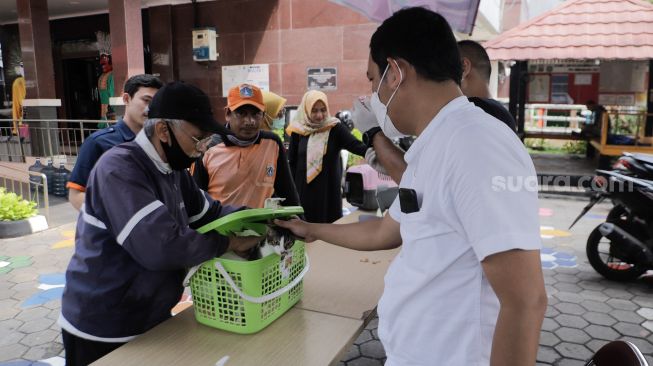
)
(9, 263)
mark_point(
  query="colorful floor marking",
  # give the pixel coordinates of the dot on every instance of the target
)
(67, 242)
(595, 217)
(51, 286)
(549, 232)
(52, 361)
(546, 212)
(551, 259)
(9, 263)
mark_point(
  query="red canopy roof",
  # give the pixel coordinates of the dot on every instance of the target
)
(581, 29)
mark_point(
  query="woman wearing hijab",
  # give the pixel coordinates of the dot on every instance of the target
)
(274, 118)
(316, 139)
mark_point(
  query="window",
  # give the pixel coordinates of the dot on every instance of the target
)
(559, 88)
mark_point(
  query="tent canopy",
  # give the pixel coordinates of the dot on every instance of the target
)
(460, 14)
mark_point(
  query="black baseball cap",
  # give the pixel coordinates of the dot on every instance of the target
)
(178, 100)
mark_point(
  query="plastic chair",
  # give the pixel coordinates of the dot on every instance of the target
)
(618, 353)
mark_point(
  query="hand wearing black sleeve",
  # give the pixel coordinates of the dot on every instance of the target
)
(284, 185)
(345, 140)
(293, 150)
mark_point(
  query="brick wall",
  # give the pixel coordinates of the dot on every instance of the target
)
(289, 35)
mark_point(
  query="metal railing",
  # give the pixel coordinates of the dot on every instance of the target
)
(37, 137)
(35, 188)
(566, 118)
(555, 118)
(59, 138)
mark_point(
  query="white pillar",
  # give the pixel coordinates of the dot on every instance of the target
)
(494, 78)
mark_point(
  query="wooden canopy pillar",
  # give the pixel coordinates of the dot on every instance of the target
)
(649, 100)
(518, 85)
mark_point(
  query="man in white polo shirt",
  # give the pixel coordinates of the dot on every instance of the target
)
(467, 286)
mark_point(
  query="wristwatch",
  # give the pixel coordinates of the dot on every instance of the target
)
(368, 136)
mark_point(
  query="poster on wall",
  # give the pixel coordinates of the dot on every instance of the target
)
(322, 78)
(256, 74)
(563, 67)
(538, 89)
(617, 99)
(582, 79)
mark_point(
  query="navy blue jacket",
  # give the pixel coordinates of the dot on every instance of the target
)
(93, 147)
(135, 238)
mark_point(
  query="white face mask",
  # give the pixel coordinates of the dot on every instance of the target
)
(381, 111)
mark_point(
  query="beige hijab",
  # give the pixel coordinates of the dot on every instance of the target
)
(318, 131)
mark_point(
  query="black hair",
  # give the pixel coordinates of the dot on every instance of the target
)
(421, 37)
(141, 81)
(477, 56)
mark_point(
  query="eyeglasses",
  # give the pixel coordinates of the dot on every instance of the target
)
(248, 113)
(200, 145)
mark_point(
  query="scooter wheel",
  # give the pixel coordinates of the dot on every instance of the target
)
(601, 258)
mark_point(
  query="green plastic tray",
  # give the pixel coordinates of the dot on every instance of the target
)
(254, 219)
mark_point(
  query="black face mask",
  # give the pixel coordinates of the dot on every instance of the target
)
(176, 157)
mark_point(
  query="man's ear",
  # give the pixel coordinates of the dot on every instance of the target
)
(467, 67)
(397, 72)
(162, 131)
(126, 98)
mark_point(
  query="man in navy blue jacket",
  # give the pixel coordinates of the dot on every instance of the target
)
(138, 92)
(136, 231)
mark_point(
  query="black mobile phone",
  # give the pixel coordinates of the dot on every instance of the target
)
(408, 200)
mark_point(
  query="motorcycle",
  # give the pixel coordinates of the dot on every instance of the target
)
(635, 165)
(621, 248)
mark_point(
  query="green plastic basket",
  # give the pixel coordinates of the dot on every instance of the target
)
(246, 296)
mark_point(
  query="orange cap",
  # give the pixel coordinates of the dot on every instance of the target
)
(245, 94)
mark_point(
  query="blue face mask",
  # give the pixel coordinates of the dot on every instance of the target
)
(278, 123)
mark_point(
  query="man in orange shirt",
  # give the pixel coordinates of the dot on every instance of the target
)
(249, 166)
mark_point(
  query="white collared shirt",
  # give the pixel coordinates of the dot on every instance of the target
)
(438, 307)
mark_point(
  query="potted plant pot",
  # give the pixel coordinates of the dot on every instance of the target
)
(12, 229)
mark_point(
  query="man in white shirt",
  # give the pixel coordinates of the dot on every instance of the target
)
(467, 286)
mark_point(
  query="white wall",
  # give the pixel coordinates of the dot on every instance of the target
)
(491, 11)
(532, 8)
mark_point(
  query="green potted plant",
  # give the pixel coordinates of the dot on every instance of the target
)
(18, 216)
